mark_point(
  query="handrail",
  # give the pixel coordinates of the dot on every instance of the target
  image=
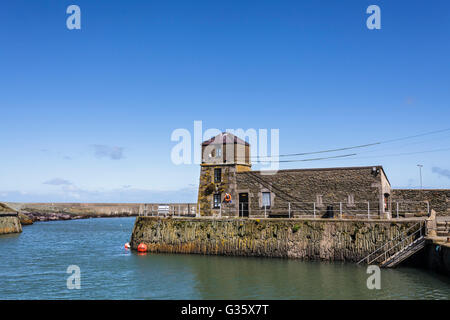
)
(403, 235)
(395, 256)
(399, 243)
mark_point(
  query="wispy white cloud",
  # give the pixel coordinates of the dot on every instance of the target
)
(58, 182)
(441, 172)
(104, 151)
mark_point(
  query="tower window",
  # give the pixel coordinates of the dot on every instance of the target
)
(216, 203)
(217, 175)
(218, 152)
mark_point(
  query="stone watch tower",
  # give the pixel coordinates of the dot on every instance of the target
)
(222, 157)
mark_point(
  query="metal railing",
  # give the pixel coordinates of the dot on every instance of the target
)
(416, 208)
(302, 209)
(361, 209)
(397, 244)
(169, 209)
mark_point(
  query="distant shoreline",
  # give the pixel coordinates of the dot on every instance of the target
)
(45, 217)
(41, 212)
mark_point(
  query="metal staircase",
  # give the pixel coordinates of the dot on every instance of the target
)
(400, 248)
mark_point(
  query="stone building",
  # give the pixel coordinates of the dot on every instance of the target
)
(229, 187)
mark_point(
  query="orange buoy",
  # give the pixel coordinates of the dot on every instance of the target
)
(142, 247)
(127, 245)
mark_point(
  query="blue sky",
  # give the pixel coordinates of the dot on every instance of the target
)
(87, 115)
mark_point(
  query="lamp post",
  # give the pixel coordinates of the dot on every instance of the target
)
(420, 173)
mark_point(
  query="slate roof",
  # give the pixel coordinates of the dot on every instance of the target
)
(225, 138)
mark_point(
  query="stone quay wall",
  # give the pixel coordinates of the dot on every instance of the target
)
(437, 257)
(318, 239)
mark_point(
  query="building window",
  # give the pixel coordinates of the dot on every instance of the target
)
(218, 151)
(266, 199)
(217, 175)
(319, 200)
(351, 199)
(386, 201)
(216, 204)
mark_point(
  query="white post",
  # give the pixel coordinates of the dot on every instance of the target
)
(314, 210)
(397, 210)
(265, 211)
(289, 210)
(368, 209)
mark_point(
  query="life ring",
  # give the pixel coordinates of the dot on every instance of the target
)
(227, 197)
(142, 247)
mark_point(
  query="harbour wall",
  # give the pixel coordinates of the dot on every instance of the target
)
(318, 239)
(9, 223)
(437, 257)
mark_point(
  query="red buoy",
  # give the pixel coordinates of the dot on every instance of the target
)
(142, 247)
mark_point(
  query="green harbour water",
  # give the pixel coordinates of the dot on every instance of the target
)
(34, 264)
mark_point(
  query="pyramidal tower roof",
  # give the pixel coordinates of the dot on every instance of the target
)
(225, 138)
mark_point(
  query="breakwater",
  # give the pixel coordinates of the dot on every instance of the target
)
(318, 239)
(71, 211)
(9, 223)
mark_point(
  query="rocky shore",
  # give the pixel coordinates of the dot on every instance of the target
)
(9, 222)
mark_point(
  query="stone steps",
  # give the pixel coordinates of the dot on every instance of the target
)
(443, 229)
